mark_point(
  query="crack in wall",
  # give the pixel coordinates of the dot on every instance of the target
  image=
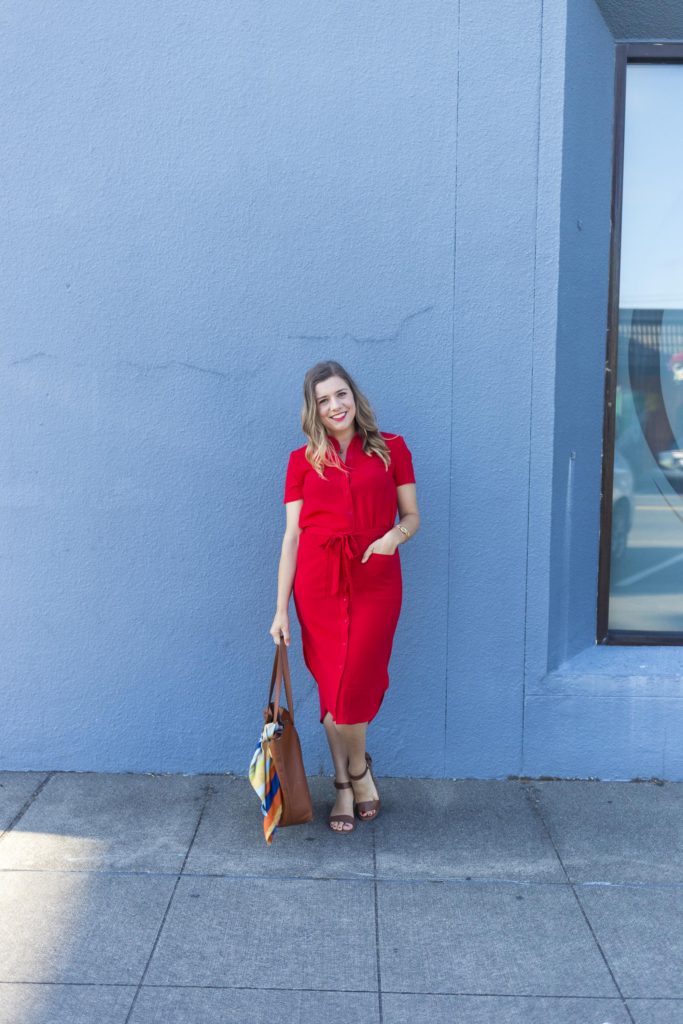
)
(394, 336)
(144, 367)
(152, 367)
(31, 357)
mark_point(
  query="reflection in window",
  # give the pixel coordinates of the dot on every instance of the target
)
(646, 577)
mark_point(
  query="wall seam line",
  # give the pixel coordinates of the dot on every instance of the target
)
(453, 336)
(531, 397)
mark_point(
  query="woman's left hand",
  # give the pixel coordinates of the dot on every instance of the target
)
(385, 545)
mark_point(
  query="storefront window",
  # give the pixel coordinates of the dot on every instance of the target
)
(645, 593)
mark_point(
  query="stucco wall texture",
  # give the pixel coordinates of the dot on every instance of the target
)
(205, 199)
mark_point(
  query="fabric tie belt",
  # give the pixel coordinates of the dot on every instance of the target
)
(341, 548)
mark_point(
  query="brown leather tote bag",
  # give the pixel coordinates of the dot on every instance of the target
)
(285, 748)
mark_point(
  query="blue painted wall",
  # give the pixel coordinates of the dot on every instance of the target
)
(206, 199)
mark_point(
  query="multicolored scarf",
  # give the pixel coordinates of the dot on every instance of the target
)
(264, 779)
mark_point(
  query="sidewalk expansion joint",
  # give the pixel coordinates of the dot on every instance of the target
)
(533, 797)
(207, 796)
(27, 803)
(470, 880)
(380, 1009)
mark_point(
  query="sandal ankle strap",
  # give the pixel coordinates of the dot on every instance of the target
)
(342, 785)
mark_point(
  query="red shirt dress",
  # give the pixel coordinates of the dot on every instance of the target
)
(348, 610)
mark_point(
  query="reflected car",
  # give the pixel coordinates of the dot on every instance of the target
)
(671, 465)
(622, 506)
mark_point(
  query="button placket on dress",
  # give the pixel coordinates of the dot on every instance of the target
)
(347, 552)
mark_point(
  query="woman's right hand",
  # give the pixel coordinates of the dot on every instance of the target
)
(280, 623)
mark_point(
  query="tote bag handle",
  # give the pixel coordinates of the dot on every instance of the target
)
(280, 669)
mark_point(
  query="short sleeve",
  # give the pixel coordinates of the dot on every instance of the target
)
(294, 478)
(402, 461)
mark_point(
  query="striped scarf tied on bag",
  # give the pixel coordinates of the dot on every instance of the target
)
(264, 779)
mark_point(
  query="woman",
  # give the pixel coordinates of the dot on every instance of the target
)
(340, 556)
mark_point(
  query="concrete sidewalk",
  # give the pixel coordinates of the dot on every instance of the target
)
(153, 899)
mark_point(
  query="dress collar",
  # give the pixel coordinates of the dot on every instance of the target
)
(335, 441)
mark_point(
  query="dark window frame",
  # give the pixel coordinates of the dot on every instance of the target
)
(626, 53)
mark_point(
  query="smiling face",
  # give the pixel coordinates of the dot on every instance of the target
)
(336, 406)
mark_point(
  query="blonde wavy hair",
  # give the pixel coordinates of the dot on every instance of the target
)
(320, 451)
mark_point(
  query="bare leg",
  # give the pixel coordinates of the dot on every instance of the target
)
(354, 738)
(354, 741)
(344, 802)
(338, 748)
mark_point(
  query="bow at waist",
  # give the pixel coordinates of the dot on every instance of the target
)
(341, 548)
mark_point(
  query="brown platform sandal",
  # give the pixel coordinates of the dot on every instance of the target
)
(348, 818)
(366, 805)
